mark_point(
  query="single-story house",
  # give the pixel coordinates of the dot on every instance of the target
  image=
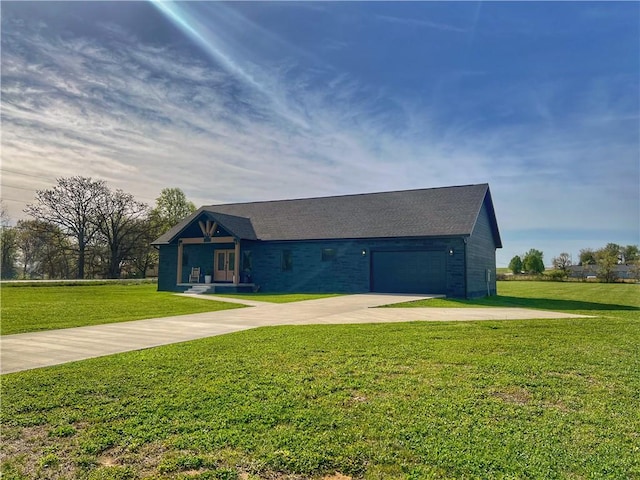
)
(435, 240)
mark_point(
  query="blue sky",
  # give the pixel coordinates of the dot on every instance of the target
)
(250, 101)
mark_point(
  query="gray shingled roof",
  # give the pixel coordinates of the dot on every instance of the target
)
(448, 211)
(241, 227)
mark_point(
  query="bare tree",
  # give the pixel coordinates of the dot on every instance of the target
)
(5, 220)
(117, 219)
(562, 262)
(72, 206)
(44, 250)
(7, 244)
(57, 256)
(30, 242)
(144, 256)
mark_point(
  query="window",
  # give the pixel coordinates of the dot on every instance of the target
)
(287, 260)
(232, 262)
(328, 254)
(247, 261)
(221, 261)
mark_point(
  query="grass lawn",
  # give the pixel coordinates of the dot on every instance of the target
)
(30, 309)
(537, 399)
(575, 297)
(278, 297)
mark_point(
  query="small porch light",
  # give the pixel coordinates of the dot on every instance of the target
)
(364, 252)
(451, 252)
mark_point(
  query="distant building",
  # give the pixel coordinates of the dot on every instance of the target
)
(588, 272)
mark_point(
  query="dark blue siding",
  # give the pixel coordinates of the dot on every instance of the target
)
(349, 272)
(167, 267)
(481, 257)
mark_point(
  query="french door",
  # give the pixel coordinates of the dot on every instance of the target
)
(224, 264)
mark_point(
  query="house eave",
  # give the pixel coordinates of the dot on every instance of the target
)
(359, 239)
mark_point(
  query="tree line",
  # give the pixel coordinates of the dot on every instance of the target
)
(603, 263)
(81, 228)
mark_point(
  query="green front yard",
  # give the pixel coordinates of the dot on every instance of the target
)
(536, 399)
(36, 308)
(30, 309)
(585, 298)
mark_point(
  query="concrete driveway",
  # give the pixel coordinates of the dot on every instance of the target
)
(25, 351)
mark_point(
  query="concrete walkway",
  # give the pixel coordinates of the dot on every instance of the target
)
(25, 351)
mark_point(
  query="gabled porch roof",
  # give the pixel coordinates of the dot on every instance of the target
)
(238, 227)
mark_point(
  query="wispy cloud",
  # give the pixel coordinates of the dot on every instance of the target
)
(233, 127)
(121, 110)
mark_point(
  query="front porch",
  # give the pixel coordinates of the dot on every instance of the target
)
(201, 288)
(214, 259)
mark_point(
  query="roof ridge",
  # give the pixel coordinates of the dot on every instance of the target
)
(347, 195)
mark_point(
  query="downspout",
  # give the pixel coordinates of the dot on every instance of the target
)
(488, 275)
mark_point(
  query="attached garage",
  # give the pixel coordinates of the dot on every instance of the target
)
(408, 272)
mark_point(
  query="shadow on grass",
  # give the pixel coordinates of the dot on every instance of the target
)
(542, 303)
